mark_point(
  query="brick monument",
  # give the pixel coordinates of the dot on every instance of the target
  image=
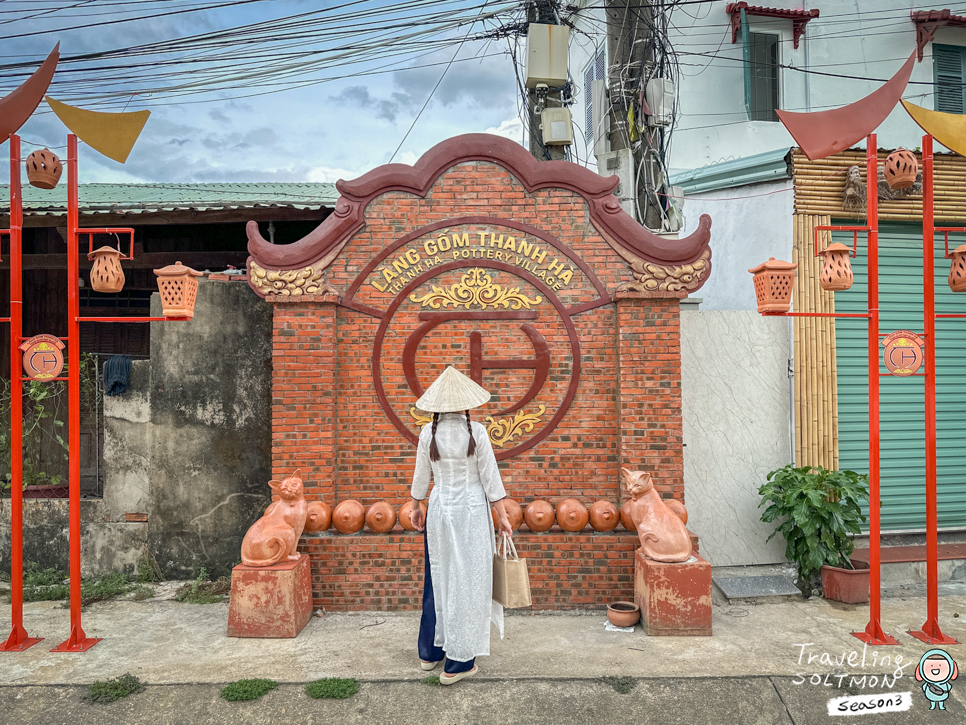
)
(525, 275)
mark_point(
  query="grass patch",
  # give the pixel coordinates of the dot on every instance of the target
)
(104, 587)
(623, 685)
(148, 568)
(141, 593)
(334, 688)
(113, 689)
(202, 590)
(247, 689)
(43, 585)
(431, 680)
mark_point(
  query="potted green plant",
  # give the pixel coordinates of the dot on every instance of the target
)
(819, 513)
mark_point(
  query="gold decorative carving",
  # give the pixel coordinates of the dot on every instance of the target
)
(289, 282)
(500, 431)
(476, 288)
(659, 278)
(504, 430)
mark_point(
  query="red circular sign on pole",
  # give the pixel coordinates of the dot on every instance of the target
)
(42, 357)
(903, 353)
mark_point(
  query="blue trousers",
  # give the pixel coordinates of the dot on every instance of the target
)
(428, 651)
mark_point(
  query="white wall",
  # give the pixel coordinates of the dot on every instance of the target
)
(749, 224)
(736, 429)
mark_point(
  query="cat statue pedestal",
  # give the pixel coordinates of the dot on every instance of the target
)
(674, 597)
(270, 601)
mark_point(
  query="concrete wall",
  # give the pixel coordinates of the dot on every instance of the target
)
(736, 429)
(189, 444)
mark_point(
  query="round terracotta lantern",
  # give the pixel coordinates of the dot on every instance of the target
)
(318, 518)
(106, 274)
(957, 270)
(836, 274)
(900, 169)
(406, 515)
(43, 169)
(380, 517)
(773, 285)
(626, 517)
(539, 516)
(178, 288)
(349, 516)
(678, 508)
(571, 515)
(604, 516)
(513, 512)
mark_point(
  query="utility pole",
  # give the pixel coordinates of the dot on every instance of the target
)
(545, 12)
(628, 60)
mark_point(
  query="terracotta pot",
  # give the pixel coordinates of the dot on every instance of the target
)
(604, 516)
(571, 515)
(626, 517)
(513, 512)
(773, 285)
(319, 517)
(406, 515)
(179, 288)
(846, 585)
(836, 274)
(900, 169)
(957, 270)
(623, 614)
(539, 516)
(381, 517)
(59, 490)
(349, 516)
(678, 508)
(43, 169)
(106, 274)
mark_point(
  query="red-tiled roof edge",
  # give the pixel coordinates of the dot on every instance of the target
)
(928, 21)
(798, 17)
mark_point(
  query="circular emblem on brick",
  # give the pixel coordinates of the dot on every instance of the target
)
(903, 353)
(42, 357)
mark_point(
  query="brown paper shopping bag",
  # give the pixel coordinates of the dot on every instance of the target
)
(511, 582)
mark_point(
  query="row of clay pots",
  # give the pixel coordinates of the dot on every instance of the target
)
(350, 516)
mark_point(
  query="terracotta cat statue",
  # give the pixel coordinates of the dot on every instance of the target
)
(662, 532)
(274, 537)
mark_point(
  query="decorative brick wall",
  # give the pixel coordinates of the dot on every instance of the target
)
(377, 290)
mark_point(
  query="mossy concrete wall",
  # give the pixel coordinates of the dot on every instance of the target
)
(189, 444)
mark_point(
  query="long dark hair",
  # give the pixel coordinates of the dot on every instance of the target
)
(470, 448)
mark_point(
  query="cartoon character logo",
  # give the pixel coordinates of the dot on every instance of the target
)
(936, 671)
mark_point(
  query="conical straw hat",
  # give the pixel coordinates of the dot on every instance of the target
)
(452, 392)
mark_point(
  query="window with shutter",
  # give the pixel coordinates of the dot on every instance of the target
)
(948, 68)
(761, 84)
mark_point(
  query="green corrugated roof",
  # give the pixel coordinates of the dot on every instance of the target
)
(148, 198)
(769, 166)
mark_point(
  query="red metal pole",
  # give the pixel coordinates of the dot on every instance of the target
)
(18, 639)
(930, 632)
(873, 633)
(77, 641)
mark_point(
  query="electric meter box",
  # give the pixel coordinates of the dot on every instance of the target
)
(547, 50)
(557, 126)
(659, 95)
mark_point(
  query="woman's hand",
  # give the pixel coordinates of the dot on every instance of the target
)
(503, 522)
(417, 516)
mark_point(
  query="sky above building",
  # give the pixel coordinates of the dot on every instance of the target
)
(268, 90)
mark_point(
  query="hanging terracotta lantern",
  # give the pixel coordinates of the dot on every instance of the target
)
(900, 169)
(43, 169)
(773, 285)
(106, 274)
(836, 272)
(957, 271)
(178, 288)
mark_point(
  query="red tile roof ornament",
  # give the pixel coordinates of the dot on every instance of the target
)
(798, 17)
(928, 21)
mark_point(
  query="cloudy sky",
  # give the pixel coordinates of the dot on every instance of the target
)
(266, 90)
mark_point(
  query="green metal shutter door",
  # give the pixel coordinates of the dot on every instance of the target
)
(903, 462)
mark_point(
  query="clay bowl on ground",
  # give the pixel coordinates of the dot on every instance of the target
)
(571, 515)
(406, 515)
(381, 517)
(623, 614)
(318, 518)
(349, 516)
(513, 512)
(539, 516)
(604, 516)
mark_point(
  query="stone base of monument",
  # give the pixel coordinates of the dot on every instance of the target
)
(675, 598)
(270, 601)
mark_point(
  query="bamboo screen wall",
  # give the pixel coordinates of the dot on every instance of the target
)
(818, 200)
